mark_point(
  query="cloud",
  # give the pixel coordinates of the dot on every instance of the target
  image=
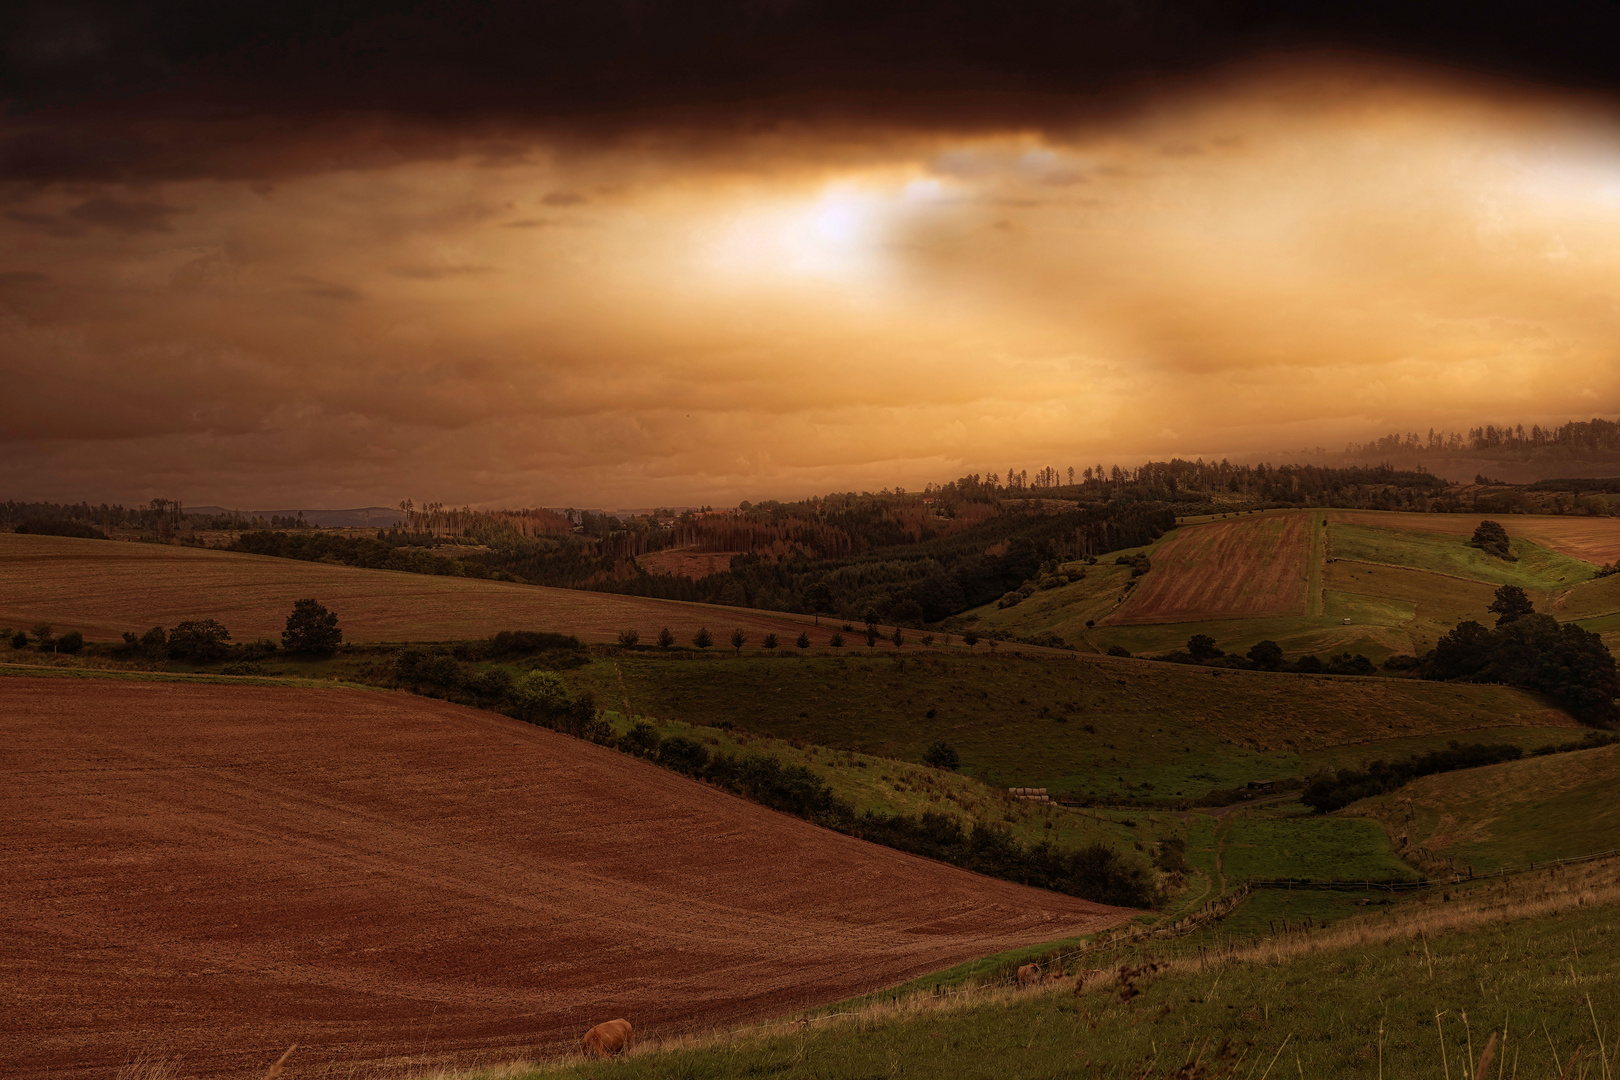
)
(127, 217)
(564, 198)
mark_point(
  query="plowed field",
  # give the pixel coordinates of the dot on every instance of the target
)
(207, 874)
(1225, 570)
(103, 588)
(1592, 539)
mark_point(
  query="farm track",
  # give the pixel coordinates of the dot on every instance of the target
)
(1230, 569)
(206, 874)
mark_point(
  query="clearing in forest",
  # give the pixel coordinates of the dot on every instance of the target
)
(1237, 568)
(210, 873)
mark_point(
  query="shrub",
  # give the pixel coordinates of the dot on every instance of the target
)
(42, 527)
(154, 639)
(665, 638)
(1266, 655)
(836, 641)
(738, 640)
(803, 641)
(683, 755)
(641, 740)
(539, 694)
(311, 629)
(1118, 650)
(628, 639)
(70, 642)
(942, 755)
(703, 639)
(770, 642)
(42, 634)
(1202, 647)
(198, 641)
(529, 642)
(19, 640)
(1333, 791)
(898, 637)
(969, 638)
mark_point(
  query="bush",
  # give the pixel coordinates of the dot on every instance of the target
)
(19, 640)
(1333, 791)
(1266, 655)
(683, 755)
(665, 638)
(311, 629)
(1118, 650)
(70, 642)
(529, 642)
(1202, 647)
(198, 641)
(803, 642)
(42, 527)
(641, 740)
(628, 639)
(836, 641)
(703, 639)
(942, 755)
(969, 638)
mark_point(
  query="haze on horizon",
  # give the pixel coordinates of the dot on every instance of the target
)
(210, 292)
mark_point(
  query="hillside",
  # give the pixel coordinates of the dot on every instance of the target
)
(1510, 814)
(1369, 582)
(379, 878)
(1094, 726)
(105, 588)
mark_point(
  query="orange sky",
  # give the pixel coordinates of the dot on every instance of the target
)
(1297, 258)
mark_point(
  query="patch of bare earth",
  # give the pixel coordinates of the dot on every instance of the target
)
(1225, 569)
(206, 874)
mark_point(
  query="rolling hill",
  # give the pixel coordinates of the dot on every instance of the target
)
(206, 874)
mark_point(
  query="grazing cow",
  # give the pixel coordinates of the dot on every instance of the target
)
(1029, 974)
(607, 1039)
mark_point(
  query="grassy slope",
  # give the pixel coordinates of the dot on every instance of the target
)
(1018, 721)
(1357, 1001)
(1400, 590)
(1510, 814)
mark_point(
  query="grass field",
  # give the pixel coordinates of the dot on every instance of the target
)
(1537, 568)
(1587, 539)
(1510, 814)
(1417, 989)
(1234, 568)
(1155, 730)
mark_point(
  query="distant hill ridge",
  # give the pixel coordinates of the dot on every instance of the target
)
(360, 517)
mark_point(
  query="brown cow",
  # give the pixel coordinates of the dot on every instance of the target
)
(1029, 974)
(607, 1039)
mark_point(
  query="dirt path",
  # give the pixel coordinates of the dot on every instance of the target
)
(209, 873)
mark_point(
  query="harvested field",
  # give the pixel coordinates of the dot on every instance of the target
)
(1590, 539)
(208, 874)
(103, 588)
(687, 562)
(1225, 570)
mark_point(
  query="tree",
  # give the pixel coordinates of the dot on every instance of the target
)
(819, 598)
(628, 638)
(703, 639)
(1492, 539)
(1203, 647)
(311, 629)
(898, 637)
(19, 640)
(154, 639)
(836, 641)
(70, 642)
(738, 640)
(870, 618)
(803, 642)
(969, 638)
(769, 642)
(42, 634)
(1510, 605)
(665, 638)
(1266, 655)
(198, 640)
(942, 755)
(871, 637)
(540, 694)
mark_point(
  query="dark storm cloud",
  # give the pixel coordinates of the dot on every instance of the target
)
(128, 217)
(115, 91)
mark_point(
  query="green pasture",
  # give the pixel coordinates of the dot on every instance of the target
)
(1131, 729)
(1537, 567)
(1534, 809)
(1344, 1008)
(1294, 843)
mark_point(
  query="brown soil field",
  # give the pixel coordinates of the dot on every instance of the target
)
(205, 874)
(1592, 539)
(686, 562)
(1225, 570)
(103, 588)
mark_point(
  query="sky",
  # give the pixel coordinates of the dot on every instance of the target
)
(667, 254)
